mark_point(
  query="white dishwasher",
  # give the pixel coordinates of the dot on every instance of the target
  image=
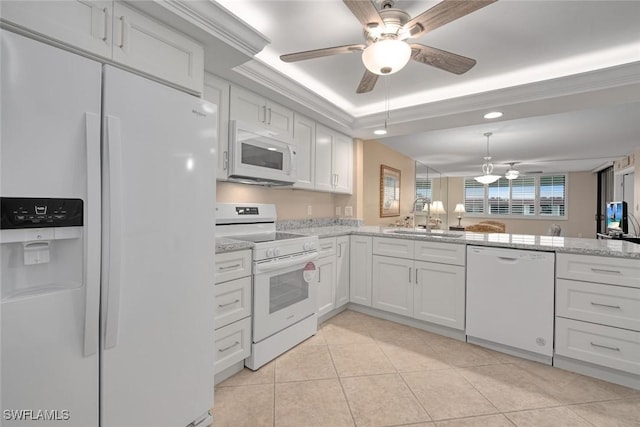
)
(510, 301)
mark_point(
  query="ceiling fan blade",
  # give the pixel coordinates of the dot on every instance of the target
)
(368, 82)
(444, 12)
(366, 12)
(442, 59)
(319, 53)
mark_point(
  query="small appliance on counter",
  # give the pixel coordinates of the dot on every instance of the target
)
(284, 278)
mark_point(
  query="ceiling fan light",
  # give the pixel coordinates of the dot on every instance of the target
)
(386, 56)
(511, 174)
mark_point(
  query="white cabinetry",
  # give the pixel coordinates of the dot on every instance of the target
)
(420, 279)
(334, 161)
(258, 111)
(326, 276)
(342, 271)
(361, 254)
(598, 316)
(216, 90)
(232, 315)
(116, 32)
(304, 139)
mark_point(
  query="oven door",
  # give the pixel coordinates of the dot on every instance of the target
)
(255, 154)
(281, 295)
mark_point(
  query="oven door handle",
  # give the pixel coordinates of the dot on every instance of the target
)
(262, 267)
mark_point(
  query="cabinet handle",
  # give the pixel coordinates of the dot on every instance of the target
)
(229, 303)
(605, 346)
(229, 267)
(225, 163)
(106, 25)
(269, 120)
(416, 275)
(339, 250)
(264, 114)
(409, 274)
(222, 350)
(124, 32)
(604, 305)
(602, 270)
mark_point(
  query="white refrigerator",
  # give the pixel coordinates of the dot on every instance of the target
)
(106, 320)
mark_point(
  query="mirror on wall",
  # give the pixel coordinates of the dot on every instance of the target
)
(431, 186)
(389, 191)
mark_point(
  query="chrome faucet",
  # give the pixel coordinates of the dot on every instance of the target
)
(425, 201)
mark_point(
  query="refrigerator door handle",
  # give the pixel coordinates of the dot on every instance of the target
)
(113, 233)
(92, 242)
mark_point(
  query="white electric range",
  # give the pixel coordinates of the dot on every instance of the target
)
(284, 285)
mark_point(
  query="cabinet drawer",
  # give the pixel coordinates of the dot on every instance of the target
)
(613, 271)
(605, 304)
(232, 301)
(601, 345)
(398, 248)
(233, 344)
(232, 265)
(443, 253)
(327, 246)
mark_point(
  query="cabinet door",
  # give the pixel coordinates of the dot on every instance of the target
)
(439, 295)
(247, 107)
(343, 164)
(360, 254)
(216, 91)
(304, 136)
(326, 284)
(279, 120)
(85, 24)
(324, 158)
(342, 271)
(148, 46)
(392, 288)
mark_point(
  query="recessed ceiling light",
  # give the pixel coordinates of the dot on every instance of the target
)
(380, 132)
(493, 115)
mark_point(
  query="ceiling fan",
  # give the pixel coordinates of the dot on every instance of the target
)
(386, 31)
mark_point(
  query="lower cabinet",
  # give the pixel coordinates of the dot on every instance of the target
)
(439, 294)
(342, 270)
(232, 313)
(326, 278)
(429, 291)
(360, 270)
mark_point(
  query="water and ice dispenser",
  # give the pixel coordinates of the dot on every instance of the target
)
(42, 245)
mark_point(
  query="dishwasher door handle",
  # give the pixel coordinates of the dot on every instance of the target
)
(508, 259)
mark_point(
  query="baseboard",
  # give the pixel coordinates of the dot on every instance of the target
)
(600, 372)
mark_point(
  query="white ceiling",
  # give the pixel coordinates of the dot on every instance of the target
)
(566, 74)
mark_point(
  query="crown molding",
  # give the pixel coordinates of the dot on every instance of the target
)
(305, 100)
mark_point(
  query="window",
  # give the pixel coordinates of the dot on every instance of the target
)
(526, 196)
(423, 189)
(473, 196)
(552, 195)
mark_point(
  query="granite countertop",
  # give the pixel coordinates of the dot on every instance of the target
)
(600, 247)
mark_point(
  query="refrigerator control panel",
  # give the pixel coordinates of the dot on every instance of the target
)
(30, 212)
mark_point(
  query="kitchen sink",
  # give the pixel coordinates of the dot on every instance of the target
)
(426, 233)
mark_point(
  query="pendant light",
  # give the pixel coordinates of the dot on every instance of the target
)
(487, 167)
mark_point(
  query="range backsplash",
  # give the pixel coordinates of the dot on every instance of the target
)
(291, 224)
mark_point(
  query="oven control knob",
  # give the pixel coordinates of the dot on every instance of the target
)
(270, 252)
(276, 251)
(307, 246)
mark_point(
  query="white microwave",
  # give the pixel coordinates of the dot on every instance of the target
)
(256, 155)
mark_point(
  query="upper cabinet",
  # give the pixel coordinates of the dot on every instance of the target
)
(304, 139)
(256, 110)
(334, 161)
(116, 32)
(216, 90)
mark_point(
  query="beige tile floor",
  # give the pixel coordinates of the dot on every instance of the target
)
(363, 371)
